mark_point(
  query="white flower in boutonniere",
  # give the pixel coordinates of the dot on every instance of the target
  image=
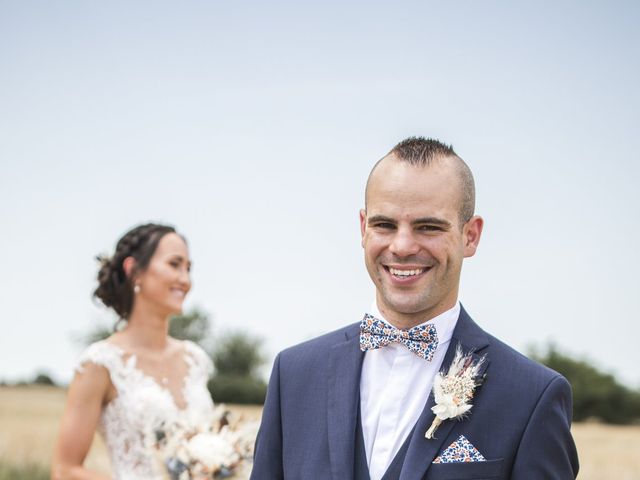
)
(453, 391)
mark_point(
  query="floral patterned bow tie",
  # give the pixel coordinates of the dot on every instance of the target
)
(421, 340)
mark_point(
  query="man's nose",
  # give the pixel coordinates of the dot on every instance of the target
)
(404, 243)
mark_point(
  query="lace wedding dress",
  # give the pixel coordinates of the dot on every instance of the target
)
(142, 405)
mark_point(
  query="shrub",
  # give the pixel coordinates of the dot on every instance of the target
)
(237, 389)
(238, 354)
(43, 379)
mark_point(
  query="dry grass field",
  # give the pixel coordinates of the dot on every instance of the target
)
(29, 418)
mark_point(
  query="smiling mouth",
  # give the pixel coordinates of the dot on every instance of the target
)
(408, 273)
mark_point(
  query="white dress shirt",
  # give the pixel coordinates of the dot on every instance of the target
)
(394, 387)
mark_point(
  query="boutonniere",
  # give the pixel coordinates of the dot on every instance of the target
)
(453, 391)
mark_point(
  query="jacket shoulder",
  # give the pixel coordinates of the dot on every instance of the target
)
(511, 364)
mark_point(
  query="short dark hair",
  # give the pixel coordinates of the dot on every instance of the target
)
(422, 152)
(115, 288)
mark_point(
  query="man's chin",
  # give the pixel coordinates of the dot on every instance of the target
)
(404, 306)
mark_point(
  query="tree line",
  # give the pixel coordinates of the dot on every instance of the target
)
(238, 358)
(596, 394)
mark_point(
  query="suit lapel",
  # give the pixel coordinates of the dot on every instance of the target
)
(345, 365)
(422, 451)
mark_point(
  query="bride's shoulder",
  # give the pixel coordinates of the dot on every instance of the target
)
(104, 353)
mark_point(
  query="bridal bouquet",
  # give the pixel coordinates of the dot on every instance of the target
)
(220, 449)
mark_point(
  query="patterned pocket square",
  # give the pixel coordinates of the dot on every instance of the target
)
(460, 451)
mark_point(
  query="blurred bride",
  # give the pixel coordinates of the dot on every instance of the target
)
(139, 378)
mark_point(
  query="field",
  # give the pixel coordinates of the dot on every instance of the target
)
(29, 418)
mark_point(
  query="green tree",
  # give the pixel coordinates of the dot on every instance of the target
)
(95, 334)
(193, 325)
(239, 354)
(595, 394)
(238, 357)
(43, 378)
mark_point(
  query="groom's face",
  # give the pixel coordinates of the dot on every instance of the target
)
(413, 239)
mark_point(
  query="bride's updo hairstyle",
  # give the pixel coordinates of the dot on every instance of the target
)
(115, 289)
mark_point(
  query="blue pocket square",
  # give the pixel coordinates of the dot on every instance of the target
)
(460, 451)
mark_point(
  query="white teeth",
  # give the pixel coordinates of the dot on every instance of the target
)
(405, 273)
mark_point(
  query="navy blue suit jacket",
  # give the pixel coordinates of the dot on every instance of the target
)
(520, 420)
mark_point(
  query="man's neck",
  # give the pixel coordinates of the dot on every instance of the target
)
(405, 321)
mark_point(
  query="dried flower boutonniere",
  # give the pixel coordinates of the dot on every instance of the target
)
(453, 391)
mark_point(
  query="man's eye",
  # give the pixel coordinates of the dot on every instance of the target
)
(430, 228)
(384, 225)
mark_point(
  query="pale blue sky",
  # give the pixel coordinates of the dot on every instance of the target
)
(252, 127)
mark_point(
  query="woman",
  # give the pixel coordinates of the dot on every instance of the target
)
(140, 378)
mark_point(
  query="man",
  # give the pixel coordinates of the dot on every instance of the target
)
(357, 403)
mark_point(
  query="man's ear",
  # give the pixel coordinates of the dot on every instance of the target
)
(363, 224)
(472, 231)
(128, 265)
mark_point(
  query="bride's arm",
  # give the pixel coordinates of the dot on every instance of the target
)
(88, 392)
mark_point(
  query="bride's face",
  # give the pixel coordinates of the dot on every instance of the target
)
(166, 281)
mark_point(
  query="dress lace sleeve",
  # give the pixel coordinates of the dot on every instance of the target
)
(99, 353)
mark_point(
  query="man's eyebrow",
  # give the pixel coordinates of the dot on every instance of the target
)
(432, 221)
(380, 219)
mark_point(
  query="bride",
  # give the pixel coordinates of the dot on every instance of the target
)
(139, 378)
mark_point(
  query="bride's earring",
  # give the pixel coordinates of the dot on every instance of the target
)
(136, 288)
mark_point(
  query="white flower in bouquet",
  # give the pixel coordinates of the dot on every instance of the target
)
(213, 451)
(217, 449)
